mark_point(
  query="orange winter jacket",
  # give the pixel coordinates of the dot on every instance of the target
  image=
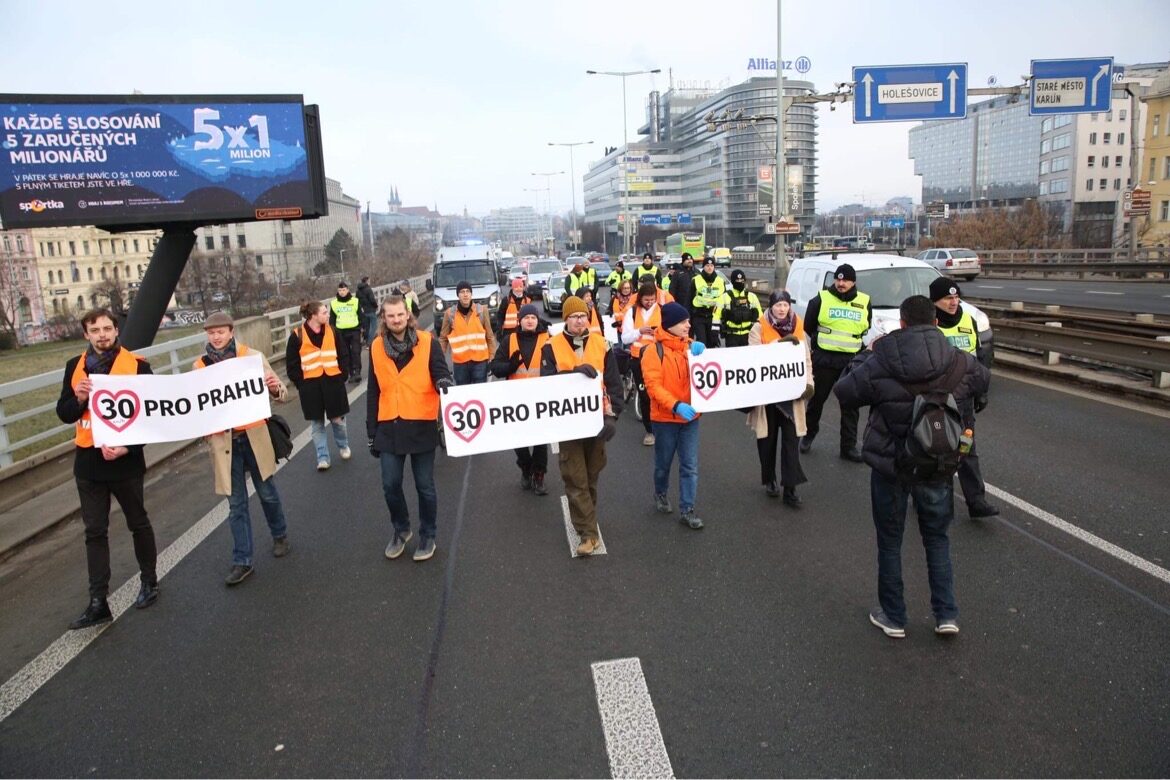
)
(667, 378)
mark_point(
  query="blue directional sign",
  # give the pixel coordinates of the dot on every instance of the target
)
(684, 219)
(1071, 86)
(896, 222)
(873, 222)
(904, 93)
(650, 219)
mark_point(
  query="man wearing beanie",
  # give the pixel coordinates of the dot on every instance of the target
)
(675, 421)
(740, 311)
(577, 350)
(959, 328)
(706, 300)
(835, 321)
(345, 317)
(518, 357)
(508, 315)
(467, 335)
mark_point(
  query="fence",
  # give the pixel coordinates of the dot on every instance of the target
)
(35, 398)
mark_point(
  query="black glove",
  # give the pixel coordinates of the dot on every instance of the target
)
(809, 392)
(514, 362)
(609, 428)
(587, 370)
(444, 384)
(373, 452)
(980, 403)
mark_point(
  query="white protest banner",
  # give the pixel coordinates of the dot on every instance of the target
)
(153, 408)
(611, 334)
(520, 413)
(747, 376)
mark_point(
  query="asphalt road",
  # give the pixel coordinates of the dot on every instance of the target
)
(752, 633)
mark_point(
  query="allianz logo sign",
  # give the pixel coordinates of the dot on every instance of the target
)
(800, 64)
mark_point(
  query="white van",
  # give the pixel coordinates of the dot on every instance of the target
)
(465, 262)
(886, 279)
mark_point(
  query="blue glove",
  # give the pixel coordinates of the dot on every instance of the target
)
(685, 410)
(697, 348)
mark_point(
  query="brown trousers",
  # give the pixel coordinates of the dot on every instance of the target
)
(581, 463)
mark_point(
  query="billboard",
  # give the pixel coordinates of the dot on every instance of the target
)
(146, 160)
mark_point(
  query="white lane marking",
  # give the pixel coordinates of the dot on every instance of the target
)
(1041, 289)
(1126, 556)
(1102, 292)
(555, 447)
(571, 532)
(988, 286)
(22, 685)
(633, 738)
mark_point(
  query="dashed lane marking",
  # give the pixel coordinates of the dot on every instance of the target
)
(633, 738)
(571, 532)
(988, 286)
(1102, 292)
(22, 685)
(1119, 553)
(1041, 289)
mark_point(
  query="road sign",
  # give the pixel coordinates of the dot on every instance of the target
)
(649, 219)
(782, 228)
(873, 222)
(765, 194)
(1071, 86)
(896, 222)
(1136, 203)
(902, 93)
(684, 219)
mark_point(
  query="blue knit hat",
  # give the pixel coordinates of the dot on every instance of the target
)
(529, 308)
(673, 314)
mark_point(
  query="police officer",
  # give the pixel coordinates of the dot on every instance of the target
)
(959, 328)
(740, 311)
(647, 270)
(706, 303)
(577, 279)
(345, 317)
(835, 321)
(618, 275)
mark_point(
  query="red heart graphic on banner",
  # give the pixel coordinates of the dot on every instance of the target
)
(706, 378)
(465, 420)
(111, 407)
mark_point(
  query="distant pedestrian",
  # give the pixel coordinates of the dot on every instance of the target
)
(639, 330)
(467, 334)
(620, 299)
(595, 325)
(102, 472)
(318, 362)
(410, 296)
(577, 278)
(675, 421)
(407, 373)
(508, 314)
(244, 450)
(705, 303)
(647, 270)
(618, 275)
(888, 377)
(518, 357)
(368, 304)
(741, 310)
(344, 315)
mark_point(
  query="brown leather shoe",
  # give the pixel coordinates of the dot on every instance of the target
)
(587, 547)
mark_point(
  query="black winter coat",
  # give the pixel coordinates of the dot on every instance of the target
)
(367, 301)
(324, 396)
(874, 378)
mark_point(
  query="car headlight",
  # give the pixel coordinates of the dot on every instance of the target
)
(438, 304)
(494, 300)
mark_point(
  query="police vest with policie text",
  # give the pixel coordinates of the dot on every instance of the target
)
(963, 335)
(840, 324)
(346, 313)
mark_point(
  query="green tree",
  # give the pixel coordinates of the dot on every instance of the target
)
(335, 261)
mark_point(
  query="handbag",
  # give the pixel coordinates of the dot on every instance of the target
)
(281, 435)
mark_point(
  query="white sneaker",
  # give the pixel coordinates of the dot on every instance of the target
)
(648, 440)
(322, 465)
(345, 453)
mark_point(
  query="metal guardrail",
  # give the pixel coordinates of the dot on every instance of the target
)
(1078, 268)
(178, 353)
(1113, 349)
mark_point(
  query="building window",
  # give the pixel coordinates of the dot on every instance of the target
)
(1093, 136)
(288, 239)
(225, 242)
(259, 261)
(140, 271)
(1092, 160)
(7, 244)
(1045, 146)
(60, 277)
(124, 249)
(85, 247)
(1121, 139)
(52, 250)
(101, 246)
(1096, 117)
(1045, 167)
(1117, 161)
(1062, 141)
(115, 273)
(1103, 183)
(1063, 120)
(74, 273)
(80, 303)
(1122, 114)
(25, 310)
(1157, 121)
(1089, 185)
(1058, 186)
(1105, 137)
(104, 277)
(1043, 188)
(1165, 216)
(73, 248)
(20, 244)
(113, 247)
(1046, 125)
(1154, 167)
(89, 273)
(1104, 161)
(56, 306)
(1117, 185)
(1166, 169)
(24, 273)
(241, 242)
(209, 242)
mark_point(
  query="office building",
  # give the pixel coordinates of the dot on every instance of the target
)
(516, 225)
(1154, 172)
(21, 302)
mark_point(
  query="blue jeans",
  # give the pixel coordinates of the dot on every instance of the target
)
(934, 505)
(681, 438)
(321, 438)
(470, 373)
(244, 463)
(423, 466)
(371, 327)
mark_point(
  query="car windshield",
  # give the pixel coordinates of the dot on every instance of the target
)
(888, 287)
(963, 253)
(478, 273)
(556, 280)
(544, 267)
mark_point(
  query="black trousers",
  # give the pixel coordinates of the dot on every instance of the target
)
(970, 475)
(532, 459)
(735, 339)
(825, 378)
(643, 393)
(701, 330)
(353, 340)
(95, 514)
(782, 431)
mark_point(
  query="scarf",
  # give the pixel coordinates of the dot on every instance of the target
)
(101, 362)
(397, 348)
(948, 320)
(784, 327)
(213, 355)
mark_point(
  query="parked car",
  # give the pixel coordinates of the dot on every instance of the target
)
(722, 257)
(962, 263)
(602, 269)
(671, 260)
(540, 271)
(554, 294)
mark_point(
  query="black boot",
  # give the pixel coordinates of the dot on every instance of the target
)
(97, 612)
(805, 444)
(771, 489)
(538, 483)
(525, 480)
(147, 595)
(790, 497)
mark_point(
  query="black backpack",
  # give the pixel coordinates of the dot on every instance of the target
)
(930, 452)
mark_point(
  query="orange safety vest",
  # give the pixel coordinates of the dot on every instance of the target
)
(619, 308)
(241, 350)
(467, 338)
(317, 361)
(595, 322)
(512, 312)
(768, 334)
(533, 369)
(594, 355)
(664, 298)
(125, 364)
(642, 321)
(408, 394)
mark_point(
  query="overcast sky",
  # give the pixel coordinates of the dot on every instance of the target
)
(454, 102)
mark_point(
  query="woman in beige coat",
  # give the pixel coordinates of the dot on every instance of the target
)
(242, 451)
(781, 423)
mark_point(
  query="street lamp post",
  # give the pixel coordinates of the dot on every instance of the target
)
(548, 195)
(625, 146)
(573, 187)
(341, 259)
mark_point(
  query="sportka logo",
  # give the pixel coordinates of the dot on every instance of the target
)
(38, 206)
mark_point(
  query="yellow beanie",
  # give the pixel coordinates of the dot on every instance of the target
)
(573, 305)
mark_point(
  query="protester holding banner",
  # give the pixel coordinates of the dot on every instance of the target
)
(675, 421)
(101, 472)
(638, 329)
(741, 310)
(344, 316)
(519, 358)
(508, 314)
(318, 362)
(781, 423)
(467, 334)
(576, 349)
(243, 450)
(407, 373)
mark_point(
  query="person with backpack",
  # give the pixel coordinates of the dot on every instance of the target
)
(914, 382)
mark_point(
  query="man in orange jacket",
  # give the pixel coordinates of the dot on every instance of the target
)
(675, 421)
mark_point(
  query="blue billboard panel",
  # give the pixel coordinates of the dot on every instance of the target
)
(903, 93)
(1071, 86)
(142, 160)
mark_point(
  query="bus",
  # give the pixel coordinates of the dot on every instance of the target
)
(694, 243)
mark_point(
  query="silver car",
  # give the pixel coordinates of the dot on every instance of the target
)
(962, 263)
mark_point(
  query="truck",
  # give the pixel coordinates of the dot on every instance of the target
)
(473, 262)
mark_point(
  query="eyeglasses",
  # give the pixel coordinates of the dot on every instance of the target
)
(575, 316)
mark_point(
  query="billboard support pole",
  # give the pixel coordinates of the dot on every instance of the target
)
(158, 285)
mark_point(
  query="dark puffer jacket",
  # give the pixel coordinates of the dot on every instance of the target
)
(874, 378)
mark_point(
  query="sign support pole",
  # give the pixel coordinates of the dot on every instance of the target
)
(780, 275)
(158, 285)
